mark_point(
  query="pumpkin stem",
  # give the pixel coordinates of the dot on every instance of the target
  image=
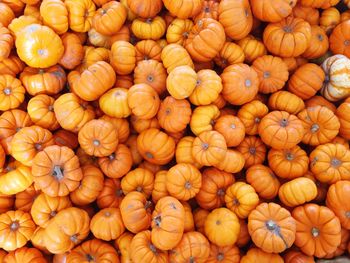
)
(289, 156)
(335, 162)
(248, 83)
(207, 9)
(257, 120)
(346, 42)
(107, 214)
(37, 146)
(90, 258)
(157, 220)
(119, 192)
(288, 29)
(347, 214)
(221, 192)
(153, 248)
(271, 225)
(139, 189)
(315, 232)
(58, 173)
(284, 123)
(149, 20)
(220, 256)
(192, 260)
(205, 146)
(235, 202)
(266, 74)
(50, 107)
(188, 185)
(185, 34)
(252, 150)
(315, 128)
(150, 78)
(96, 142)
(149, 155)
(14, 225)
(53, 213)
(7, 91)
(112, 157)
(74, 238)
(167, 111)
(41, 71)
(233, 126)
(198, 82)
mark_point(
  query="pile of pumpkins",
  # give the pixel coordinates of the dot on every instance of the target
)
(181, 131)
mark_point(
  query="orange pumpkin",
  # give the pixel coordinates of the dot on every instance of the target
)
(111, 194)
(150, 28)
(320, 101)
(306, 81)
(7, 14)
(287, 129)
(252, 47)
(123, 57)
(152, 73)
(73, 50)
(25, 255)
(309, 14)
(6, 43)
(236, 18)
(12, 92)
(175, 55)
(289, 163)
(224, 254)
(81, 13)
(15, 178)
(183, 8)
(272, 11)
(229, 54)
(167, 223)
(240, 84)
(272, 227)
(54, 14)
(17, 227)
(318, 230)
(318, 45)
(232, 128)
(11, 65)
(140, 180)
(272, 73)
(253, 150)
(258, 255)
(286, 101)
(178, 31)
(289, 37)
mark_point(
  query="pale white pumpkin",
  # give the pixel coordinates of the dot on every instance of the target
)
(337, 82)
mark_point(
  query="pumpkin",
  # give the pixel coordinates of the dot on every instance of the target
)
(10, 122)
(203, 118)
(224, 254)
(56, 170)
(272, 73)
(80, 14)
(232, 128)
(54, 14)
(150, 28)
(258, 255)
(118, 163)
(199, 217)
(204, 32)
(339, 39)
(330, 163)
(148, 109)
(193, 246)
(122, 244)
(98, 138)
(159, 189)
(288, 163)
(229, 54)
(27, 142)
(207, 89)
(252, 47)
(111, 194)
(7, 14)
(115, 96)
(251, 114)
(93, 55)
(297, 191)
(272, 228)
(245, 87)
(189, 221)
(93, 81)
(306, 81)
(287, 129)
(107, 224)
(11, 66)
(65, 138)
(330, 17)
(181, 82)
(243, 237)
(209, 148)
(123, 57)
(15, 178)
(233, 162)
(183, 181)
(173, 114)
(167, 223)
(263, 180)
(320, 101)
(23, 200)
(318, 230)
(6, 43)
(140, 125)
(18, 24)
(295, 256)
(236, 18)
(17, 227)
(132, 144)
(286, 101)
(25, 255)
(336, 69)
(320, 125)
(318, 45)
(145, 9)
(183, 152)
(109, 19)
(45, 207)
(253, 150)
(337, 192)
(183, 8)
(151, 72)
(156, 146)
(342, 141)
(175, 55)
(12, 92)
(69, 227)
(342, 114)
(148, 50)
(72, 113)
(272, 11)
(40, 110)
(44, 51)
(309, 14)
(178, 31)
(90, 186)
(93, 249)
(140, 180)
(289, 37)
(222, 227)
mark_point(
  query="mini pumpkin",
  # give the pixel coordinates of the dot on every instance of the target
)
(140, 180)
(183, 8)
(55, 15)
(286, 101)
(81, 13)
(253, 150)
(151, 72)
(11, 92)
(123, 57)
(272, 11)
